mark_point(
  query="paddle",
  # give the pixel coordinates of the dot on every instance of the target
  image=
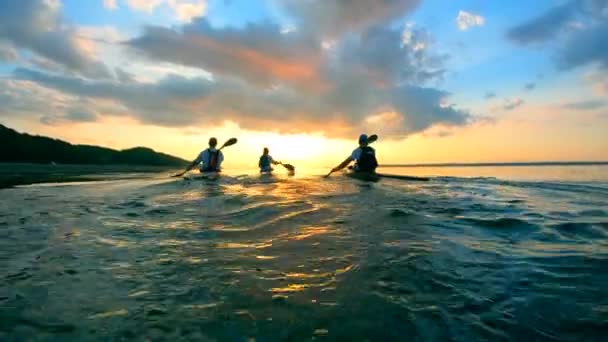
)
(289, 167)
(229, 142)
(372, 138)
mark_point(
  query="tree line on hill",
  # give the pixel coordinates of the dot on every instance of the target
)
(18, 147)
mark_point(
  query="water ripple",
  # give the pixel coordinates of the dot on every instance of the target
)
(453, 259)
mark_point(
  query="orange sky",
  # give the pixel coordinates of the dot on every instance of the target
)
(518, 136)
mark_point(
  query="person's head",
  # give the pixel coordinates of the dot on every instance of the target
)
(212, 142)
(363, 140)
(266, 151)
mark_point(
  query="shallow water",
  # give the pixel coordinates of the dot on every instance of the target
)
(458, 258)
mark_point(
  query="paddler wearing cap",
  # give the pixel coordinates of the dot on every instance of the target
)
(364, 157)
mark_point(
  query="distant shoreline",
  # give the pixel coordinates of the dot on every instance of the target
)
(551, 163)
(15, 174)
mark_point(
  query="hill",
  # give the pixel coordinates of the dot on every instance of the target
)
(24, 148)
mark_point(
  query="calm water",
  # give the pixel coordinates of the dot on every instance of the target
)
(476, 254)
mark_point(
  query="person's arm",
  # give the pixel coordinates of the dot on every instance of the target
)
(343, 164)
(192, 165)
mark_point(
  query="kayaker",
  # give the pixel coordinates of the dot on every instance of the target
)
(266, 162)
(209, 160)
(364, 157)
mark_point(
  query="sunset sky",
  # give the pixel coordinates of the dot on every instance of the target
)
(438, 81)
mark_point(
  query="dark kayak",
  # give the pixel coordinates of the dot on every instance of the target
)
(364, 176)
(374, 177)
(203, 176)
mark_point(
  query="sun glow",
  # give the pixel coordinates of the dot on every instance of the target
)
(294, 147)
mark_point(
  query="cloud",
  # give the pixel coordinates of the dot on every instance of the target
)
(259, 53)
(530, 86)
(545, 26)
(466, 20)
(490, 95)
(585, 105)
(331, 19)
(513, 103)
(7, 53)
(110, 4)
(37, 26)
(378, 55)
(81, 114)
(260, 76)
(599, 81)
(586, 47)
(24, 98)
(262, 54)
(578, 28)
(186, 11)
(144, 5)
(74, 114)
(178, 101)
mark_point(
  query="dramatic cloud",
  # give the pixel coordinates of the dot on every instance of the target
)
(259, 53)
(331, 19)
(37, 25)
(466, 20)
(585, 105)
(379, 56)
(110, 4)
(261, 76)
(178, 101)
(513, 103)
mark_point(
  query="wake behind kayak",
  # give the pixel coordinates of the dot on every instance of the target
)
(375, 177)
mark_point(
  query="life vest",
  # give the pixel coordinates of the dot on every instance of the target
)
(213, 157)
(367, 160)
(265, 163)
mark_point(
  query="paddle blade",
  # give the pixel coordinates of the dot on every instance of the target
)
(289, 167)
(230, 142)
(372, 138)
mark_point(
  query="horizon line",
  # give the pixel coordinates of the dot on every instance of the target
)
(537, 163)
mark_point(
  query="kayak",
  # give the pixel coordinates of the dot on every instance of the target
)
(408, 178)
(203, 176)
(364, 176)
(374, 177)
